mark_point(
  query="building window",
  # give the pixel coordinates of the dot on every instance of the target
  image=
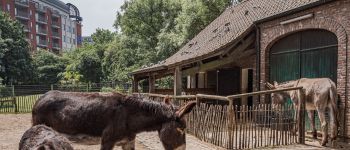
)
(73, 30)
(8, 7)
(64, 39)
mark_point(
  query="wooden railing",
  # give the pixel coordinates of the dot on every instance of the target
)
(242, 127)
(194, 91)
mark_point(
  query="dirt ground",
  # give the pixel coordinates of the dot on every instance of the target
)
(12, 126)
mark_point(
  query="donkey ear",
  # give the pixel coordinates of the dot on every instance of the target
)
(186, 109)
(167, 100)
(269, 86)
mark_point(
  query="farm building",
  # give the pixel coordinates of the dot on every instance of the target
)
(258, 41)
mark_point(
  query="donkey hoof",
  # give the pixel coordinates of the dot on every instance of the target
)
(324, 142)
(314, 135)
(334, 144)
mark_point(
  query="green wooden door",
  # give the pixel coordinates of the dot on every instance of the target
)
(306, 54)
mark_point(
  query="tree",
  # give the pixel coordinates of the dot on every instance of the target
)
(48, 67)
(102, 36)
(15, 61)
(85, 64)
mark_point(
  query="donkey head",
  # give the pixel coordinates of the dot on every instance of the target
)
(172, 133)
(278, 97)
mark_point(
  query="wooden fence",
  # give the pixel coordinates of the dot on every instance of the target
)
(18, 104)
(242, 127)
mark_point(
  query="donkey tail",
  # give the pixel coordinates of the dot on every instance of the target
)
(333, 103)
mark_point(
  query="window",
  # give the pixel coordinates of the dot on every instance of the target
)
(30, 12)
(64, 39)
(8, 7)
(73, 30)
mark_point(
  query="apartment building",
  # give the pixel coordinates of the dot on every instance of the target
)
(48, 24)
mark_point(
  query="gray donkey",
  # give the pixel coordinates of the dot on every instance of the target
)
(320, 93)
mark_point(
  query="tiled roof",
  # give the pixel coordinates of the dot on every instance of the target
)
(229, 26)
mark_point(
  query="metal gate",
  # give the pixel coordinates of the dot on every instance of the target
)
(305, 54)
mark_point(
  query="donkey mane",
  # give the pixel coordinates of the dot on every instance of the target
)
(160, 110)
(287, 84)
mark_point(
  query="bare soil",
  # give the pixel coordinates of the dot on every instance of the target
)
(12, 126)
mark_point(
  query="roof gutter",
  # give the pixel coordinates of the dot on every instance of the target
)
(149, 70)
(292, 11)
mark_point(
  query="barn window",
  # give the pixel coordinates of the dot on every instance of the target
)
(309, 54)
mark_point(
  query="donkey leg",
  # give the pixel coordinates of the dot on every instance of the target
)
(334, 124)
(130, 145)
(109, 138)
(311, 114)
(324, 126)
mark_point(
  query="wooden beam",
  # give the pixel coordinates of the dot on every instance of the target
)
(177, 81)
(135, 83)
(232, 57)
(151, 84)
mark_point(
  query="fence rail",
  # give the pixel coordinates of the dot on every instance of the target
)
(21, 98)
(242, 127)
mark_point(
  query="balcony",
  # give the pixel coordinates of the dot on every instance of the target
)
(56, 46)
(41, 20)
(55, 24)
(40, 8)
(42, 31)
(22, 15)
(42, 43)
(55, 14)
(26, 28)
(56, 35)
(23, 3)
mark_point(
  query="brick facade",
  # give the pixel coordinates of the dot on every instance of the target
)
(334, 17)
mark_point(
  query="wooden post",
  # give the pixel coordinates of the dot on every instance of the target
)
(135, 87)
(231, 122)
(177, 81)
(151, 84)
(14, 98)
(301, 117)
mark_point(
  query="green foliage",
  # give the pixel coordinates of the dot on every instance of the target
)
(15, 61)
(153, 30)
(84, 65)
(102, 36)
(48, 66)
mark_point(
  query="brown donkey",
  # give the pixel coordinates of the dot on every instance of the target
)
(41, 137)
(115, 117)
(320, 93)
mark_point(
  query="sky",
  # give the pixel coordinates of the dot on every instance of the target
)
(97, 13)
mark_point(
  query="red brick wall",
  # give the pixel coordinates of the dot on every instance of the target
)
(33, 27)
(334, 17)
(79, 34)
(49, 31)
